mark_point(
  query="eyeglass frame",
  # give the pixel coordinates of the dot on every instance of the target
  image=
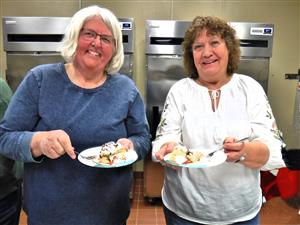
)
(106, 39)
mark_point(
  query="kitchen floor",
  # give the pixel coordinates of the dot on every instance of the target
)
(273, 212)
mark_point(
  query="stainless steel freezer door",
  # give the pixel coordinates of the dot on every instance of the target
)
(127, 67)
(19, 64)
(162, 72)
(257, 68)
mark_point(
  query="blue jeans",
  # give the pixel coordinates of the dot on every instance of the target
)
(173, 219)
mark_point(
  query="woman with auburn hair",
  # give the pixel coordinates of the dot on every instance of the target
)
(213, 108)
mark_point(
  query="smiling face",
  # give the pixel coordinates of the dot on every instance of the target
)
(210, 56)
(93, 54)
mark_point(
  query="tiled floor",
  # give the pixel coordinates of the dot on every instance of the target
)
(142, 212)
(273, 212)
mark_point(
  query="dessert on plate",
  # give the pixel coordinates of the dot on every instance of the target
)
(111, 153)
(181, 155)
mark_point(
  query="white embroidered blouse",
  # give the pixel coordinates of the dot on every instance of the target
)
(229, 192)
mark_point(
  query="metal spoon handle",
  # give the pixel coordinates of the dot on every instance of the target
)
(250, 138)
(90, 157)
(240, 140)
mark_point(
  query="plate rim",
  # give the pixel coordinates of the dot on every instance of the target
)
(196, 165)
(103, 165)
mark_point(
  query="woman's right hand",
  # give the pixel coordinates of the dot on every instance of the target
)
(165, 149)
(52, 144)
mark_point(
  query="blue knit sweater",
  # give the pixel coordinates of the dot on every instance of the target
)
(63, 191)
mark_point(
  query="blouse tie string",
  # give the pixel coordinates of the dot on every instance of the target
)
(215, 94)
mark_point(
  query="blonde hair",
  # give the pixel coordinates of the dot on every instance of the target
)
(70, 40)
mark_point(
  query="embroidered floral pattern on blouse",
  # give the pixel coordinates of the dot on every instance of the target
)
(162, 123)
(277, 133)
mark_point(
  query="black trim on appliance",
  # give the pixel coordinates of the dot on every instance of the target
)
(254, 43)
(125, 38)
(34, 37)
(166, 40)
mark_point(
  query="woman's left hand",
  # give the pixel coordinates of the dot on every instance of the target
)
(233, 149)
(126, 143)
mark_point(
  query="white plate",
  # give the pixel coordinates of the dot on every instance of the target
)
(216, 159)
(131, 157)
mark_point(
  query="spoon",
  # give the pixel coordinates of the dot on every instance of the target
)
(90, 157)
(238, 141)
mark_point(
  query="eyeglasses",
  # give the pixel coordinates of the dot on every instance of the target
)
(90, 35)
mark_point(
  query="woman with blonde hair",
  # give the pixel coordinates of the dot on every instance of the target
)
(76, 105)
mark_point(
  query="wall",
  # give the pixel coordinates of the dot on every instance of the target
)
(283, 14)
